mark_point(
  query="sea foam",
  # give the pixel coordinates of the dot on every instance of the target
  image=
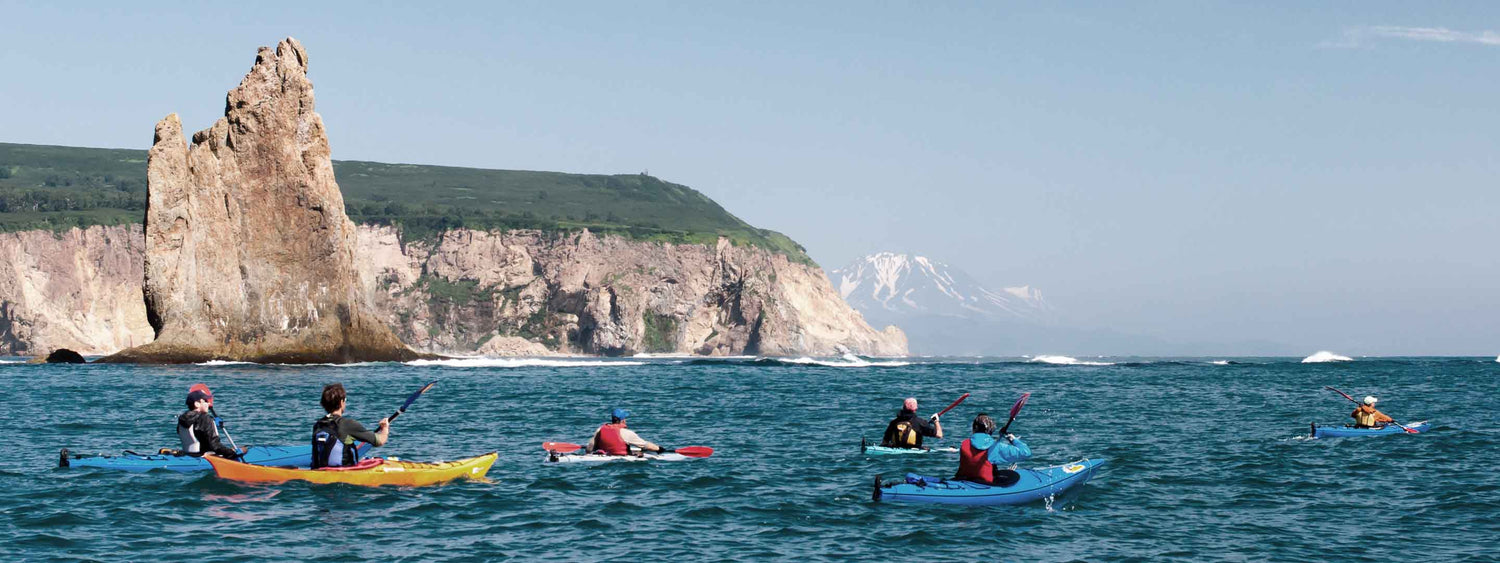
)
(517, 363)
(1066, 361)
(848, 361)
(1325, 356)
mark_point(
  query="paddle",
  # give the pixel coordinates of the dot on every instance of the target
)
(561, 447)
(950, 407)
(220, 421)
(1351, 399)
(411, 399)
(1015, 410)
(695, 451)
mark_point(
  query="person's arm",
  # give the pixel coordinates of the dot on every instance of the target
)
(353, 429)
(588, 448)
(1382, 417)
(1008, 450)
(631, 438)
(208, 437)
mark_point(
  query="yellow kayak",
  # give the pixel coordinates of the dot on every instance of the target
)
(370, 472)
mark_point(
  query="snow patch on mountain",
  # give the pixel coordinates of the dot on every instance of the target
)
(899, 284)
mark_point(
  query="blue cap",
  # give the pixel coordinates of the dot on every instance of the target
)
(621, 414)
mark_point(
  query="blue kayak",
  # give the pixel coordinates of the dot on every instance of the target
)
(1350, 431)
(1031, 485)
(275, 456)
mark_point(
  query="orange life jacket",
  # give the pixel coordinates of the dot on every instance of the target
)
(1367, 417)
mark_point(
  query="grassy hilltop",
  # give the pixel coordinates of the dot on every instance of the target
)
(53, 187)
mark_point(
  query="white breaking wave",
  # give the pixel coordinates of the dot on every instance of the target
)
(517, 363)
(1066, 361)
(1325, 356)
(655, 356)
(1220, 362)
(848, 361)
(226, 363)
(1497, 359)
(212, 363)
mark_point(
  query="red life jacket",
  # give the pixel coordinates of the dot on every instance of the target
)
(974, 464)
(608, 440)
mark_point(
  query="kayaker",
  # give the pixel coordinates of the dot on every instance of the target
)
(334, 434)
(907, 429)
(981, 456)
(197, 427)
(613, 438)
(1365, 416)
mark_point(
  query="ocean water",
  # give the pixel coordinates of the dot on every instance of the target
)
(1207, 460)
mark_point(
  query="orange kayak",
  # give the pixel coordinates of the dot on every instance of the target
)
(370, 472)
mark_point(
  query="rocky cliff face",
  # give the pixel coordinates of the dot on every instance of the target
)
(80, 289)
(584, 294)
(473, 292)
(249, 255)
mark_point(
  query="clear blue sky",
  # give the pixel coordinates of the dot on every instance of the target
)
(1318, 175)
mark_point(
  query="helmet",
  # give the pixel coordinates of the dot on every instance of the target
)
(1370, 400)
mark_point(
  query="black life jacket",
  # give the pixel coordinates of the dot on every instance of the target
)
(328, 447)
(901, 433)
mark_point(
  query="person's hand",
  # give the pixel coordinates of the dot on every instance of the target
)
(1011, 437)
(663, 450)
(933, 419)
(244, 449)
(385, 423)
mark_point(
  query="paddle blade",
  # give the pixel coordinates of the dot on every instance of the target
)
(1015, 410)
(696, 451)
(413, 397)
(560, 447)
(1346, 395)
(950, 407)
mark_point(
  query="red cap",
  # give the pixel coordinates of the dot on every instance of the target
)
(201, 389)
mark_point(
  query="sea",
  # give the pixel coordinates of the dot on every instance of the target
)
(1208, 459)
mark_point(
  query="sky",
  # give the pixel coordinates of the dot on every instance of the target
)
(1316, 175)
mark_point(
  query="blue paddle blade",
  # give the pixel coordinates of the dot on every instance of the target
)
(413, 397)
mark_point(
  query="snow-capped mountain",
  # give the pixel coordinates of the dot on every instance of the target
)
(886, 287)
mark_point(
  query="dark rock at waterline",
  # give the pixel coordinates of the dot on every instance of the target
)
(65, 356)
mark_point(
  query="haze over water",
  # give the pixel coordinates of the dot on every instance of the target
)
(1206, 461)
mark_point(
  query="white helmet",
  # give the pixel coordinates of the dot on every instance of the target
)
(1370, 400)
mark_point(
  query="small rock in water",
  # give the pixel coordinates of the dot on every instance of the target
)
(65, 356)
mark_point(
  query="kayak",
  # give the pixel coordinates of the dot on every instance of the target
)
(554, 457)
(867, 449)
(371, 472)
(1032, 485)
(1350, 431)
(278, 456)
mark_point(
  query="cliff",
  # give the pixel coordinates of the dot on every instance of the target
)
(489, 292)
(249, 255)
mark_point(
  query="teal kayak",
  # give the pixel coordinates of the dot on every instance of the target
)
(1030, 485)
(867, 449)
(1350, 431)
(275, 456)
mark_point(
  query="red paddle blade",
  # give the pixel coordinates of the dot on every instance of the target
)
(955, 403)
(560, 447)
(1019, 403)
(696, 451)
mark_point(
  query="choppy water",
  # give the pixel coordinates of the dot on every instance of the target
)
(1205, 462)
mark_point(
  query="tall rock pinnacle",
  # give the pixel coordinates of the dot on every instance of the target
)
(249, 255)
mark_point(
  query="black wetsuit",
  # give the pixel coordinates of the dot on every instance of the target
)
(200, 435)
(919, 426)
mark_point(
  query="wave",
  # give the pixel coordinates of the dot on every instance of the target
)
(1066, 361)
(226, 363)
(518, 363)
(1220, 362)
(1324, 356)
(655, 356)
(847, 361)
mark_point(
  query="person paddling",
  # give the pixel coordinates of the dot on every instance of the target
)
(613, 438)
(980, 456)
(1366, 416)
(334, 435)
(198, 428)
(907, 429)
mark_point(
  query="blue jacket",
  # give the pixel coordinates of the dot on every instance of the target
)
(1003, 453)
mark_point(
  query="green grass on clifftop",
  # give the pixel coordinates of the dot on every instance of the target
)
(52, 187)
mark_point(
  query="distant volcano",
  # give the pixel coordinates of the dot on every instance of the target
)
(889, 288)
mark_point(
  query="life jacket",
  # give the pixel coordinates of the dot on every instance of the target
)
(901, 433)
(190, 443)
(974, 464)
(608, 440)
(1367, 416)
(328, 447)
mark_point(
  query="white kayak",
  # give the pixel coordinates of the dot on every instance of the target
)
(553, 457)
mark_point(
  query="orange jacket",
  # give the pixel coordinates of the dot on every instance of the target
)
(1367, 416)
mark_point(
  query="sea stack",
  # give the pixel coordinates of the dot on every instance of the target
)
(249, 255)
